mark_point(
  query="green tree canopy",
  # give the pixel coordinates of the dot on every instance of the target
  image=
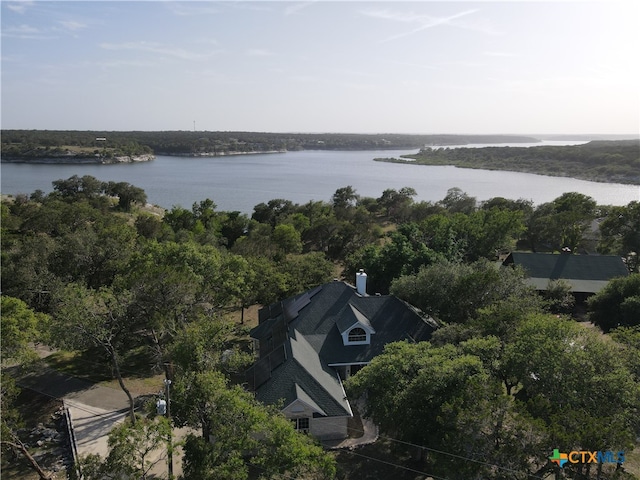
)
(240, 435)
(620, 232)
(616, 305)
(19, 326)
(576, 382)
(454, 292)
(457, 201)
(569, 388)
(84, 318)
(127, 194)
(445, 399)
(134, 450)
(561, 223)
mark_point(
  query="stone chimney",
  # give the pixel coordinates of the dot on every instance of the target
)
(361, 282)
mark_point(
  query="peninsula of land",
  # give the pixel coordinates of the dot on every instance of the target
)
(598, 161)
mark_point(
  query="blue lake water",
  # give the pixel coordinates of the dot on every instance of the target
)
(240, 182)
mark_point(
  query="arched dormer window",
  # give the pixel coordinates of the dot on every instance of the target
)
(354, 327)
(357, 335)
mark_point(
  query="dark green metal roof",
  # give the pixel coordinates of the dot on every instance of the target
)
(585, 273)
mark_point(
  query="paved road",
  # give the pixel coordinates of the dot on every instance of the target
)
(94, 410)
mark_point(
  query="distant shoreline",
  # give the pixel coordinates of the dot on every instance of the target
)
(219, 154)
(83, 160)
(77, 160)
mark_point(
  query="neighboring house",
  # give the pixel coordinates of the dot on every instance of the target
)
(309, 344)
(586, 274)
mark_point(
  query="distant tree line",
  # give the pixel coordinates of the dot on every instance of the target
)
(38, 143)
(604, 161)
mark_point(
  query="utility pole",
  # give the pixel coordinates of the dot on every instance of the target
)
(167, 384)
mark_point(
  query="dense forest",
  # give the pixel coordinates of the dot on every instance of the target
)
(508, 376)
(22, 144)
(603, 161)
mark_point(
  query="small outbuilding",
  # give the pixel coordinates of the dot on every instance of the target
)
(586, 274)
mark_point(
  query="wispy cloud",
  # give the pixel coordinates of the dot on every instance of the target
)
(18, 7)
(26, 32)
(296, 7)
(22, 29)
(425, 21)
(158, 48)
(465, 64)
(207, 41)
(192, 9)
(418, 65)
(559, 85)
(259, 52)
(262, 6)
(72, 25)
(118, 64)
(500, 54)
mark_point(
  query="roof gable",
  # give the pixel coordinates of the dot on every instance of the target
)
(302, 396)
(349, 317)
(303, 377)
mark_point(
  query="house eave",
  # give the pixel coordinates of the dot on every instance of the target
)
(346, 364)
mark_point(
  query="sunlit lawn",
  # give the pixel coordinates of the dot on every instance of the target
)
(138, 371)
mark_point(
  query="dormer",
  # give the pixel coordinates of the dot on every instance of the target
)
(354, 327)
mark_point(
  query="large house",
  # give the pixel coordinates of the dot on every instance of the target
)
(309, 344)
(586, 274)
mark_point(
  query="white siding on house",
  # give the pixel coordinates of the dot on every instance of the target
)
(329, 428)
(323, 428)
(297, 409)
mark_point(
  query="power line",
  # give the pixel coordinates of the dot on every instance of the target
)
(395, 465)
(84, 408)
(460, 457)
(391, 439)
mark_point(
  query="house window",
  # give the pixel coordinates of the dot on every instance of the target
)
(301, 424)
(357, 335)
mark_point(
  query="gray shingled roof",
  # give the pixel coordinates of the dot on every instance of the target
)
(303, 370)
(349, 316)
(585, 273)
(314, 342)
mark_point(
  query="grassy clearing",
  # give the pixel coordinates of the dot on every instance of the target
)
(78, 149)
(139, 375)
(78, 364)
(250, 316)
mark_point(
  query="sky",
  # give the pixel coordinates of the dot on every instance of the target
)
(557, 67)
